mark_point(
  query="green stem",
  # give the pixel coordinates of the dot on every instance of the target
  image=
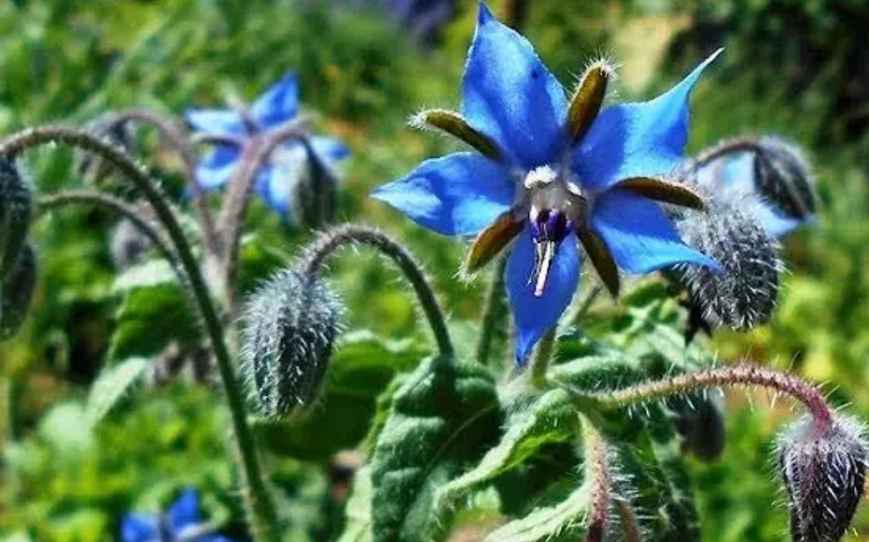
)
(349, 234)
(542, 357)
(599, 478)
(494, 313)
(586, 305)
(260, 507)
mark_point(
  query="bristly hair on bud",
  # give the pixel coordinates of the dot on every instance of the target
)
(745, 293)
(782, 175)
(17, 292)
(15, 208)
(823, 469)
(289, 326)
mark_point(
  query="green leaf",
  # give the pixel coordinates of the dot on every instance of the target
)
(154, 312)
(443, 418)
(358, 373)
(113, 383)
(358, 509)
(548, 419)
(562, 522)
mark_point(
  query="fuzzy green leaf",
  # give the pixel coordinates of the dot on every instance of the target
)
(443, 418)
(112, 385)
(562, 522)
(357, 527)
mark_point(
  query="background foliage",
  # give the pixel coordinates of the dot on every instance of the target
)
(793, 68)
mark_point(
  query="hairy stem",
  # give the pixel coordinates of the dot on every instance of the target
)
(542, 357)
(599, 480)
(629, 522)
(349, 234)
(259, 503)
(179, 140)
(737, 375)
(494, 313)
(50, 202)
(586, 305)
(731, 145)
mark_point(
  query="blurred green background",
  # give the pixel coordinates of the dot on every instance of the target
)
(790, 67)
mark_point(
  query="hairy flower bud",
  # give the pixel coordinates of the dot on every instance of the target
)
(744, 294)
(17, 292)
(290, 324)
(15, 207)
(823, 471)
(127, 244)
(782, 176)
(700, 421)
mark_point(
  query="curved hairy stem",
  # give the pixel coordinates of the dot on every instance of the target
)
(116, 205)
(737, 375)
(180, 141)
(254, 155)
(494, 313)
(738, 144)
(260, 506)
(599, 479)
(349, 234)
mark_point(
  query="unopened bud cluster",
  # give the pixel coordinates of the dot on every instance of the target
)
(17, 261)
(289, 326)
(823, 469)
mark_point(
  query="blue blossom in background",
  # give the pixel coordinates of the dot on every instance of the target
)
(181, 522)
(551, 173)
(277, 181)
(768, 171)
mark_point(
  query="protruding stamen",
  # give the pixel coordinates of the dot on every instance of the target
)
(454, 124)
(548, 228)
(545, 254)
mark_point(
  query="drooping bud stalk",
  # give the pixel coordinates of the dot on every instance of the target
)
(823, 471)
(15, 208)
(17, 293)
(289, 326)
(744, 294)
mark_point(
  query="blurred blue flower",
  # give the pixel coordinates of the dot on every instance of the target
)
(181, 523)
(770, 173)
(276, 182)
(548, 171)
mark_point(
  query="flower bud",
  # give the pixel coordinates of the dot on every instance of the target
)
(782, 177)
(15, 206)
(744, 293)
(113, 129)
(17, 293)
(823, 470)
(700, 422)
(127, 244)
(289, 326)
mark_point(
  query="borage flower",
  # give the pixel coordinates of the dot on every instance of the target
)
(277, 181)
(182, 522)
(549, 172)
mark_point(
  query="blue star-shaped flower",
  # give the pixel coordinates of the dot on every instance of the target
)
(551, 171)
(182, 522)
(276, 182)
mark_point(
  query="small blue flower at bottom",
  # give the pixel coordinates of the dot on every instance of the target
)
(181, 523)
(277, 180)
(552, 173)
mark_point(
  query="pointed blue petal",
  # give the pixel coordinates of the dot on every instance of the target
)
(637, 139)
(329, 149)
(139, 528)
(509, 95)
(277, 186)
(185, 511)
(278, 104)
(639, 235)
(459, 194)
(224, 122)
(217, 167)
(534, 316)
(776, 224)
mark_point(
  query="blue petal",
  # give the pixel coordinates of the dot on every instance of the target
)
(776, 224)
(637, 139)
(329, 149)
(639, 235)
(216, 121)
(534, 316)
(459, 194)
(217, 167)
(509, 95)
(277, 186)
(138, 528)
(278, 104)
(185, 511)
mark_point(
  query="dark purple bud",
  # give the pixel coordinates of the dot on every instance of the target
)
(289, 326)
(700, 422)
(823, 466)
(15, 206)
(782, 176)
(744, 294)
(17, 292)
